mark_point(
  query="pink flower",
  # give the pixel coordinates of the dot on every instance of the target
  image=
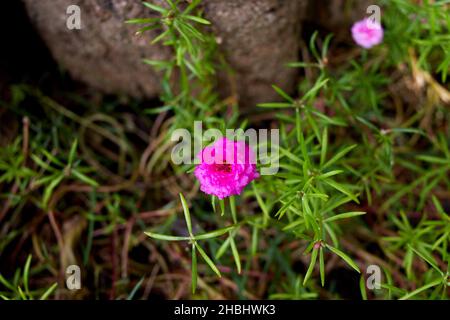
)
(367, 33)
(225, 168)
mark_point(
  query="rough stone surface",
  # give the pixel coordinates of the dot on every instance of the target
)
(105, 53)
(258, 38)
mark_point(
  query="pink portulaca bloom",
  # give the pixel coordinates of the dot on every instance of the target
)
(367, 33)
(225, 168)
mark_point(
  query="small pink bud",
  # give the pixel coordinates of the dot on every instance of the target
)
(367, 33)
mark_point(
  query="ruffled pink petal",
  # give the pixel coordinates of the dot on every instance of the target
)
(225, 168)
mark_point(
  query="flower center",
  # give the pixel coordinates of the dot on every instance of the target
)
(223, 167)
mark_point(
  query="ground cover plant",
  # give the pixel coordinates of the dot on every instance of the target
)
(363, 179)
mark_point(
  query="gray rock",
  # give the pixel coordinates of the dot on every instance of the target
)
(257, 36)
